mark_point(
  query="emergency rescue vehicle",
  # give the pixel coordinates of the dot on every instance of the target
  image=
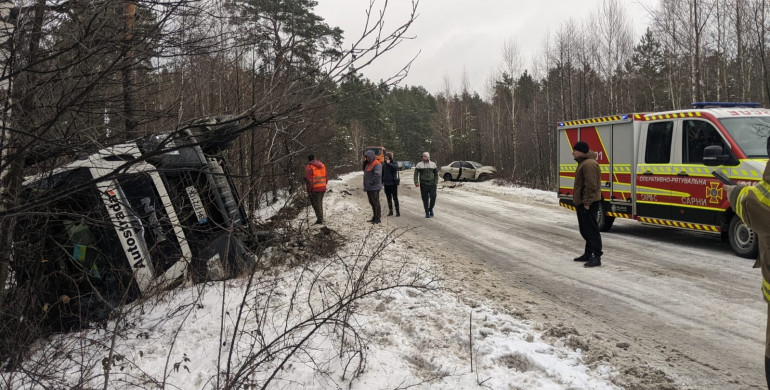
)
(656, 168)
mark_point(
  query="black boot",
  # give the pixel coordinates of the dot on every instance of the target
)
(391, 211)
(583, 257)
(398, 213)
(593, 261)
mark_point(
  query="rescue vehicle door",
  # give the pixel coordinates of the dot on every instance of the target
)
(654, 171)
(621, 152)
(698, 195)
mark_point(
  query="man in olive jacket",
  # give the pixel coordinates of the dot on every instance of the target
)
(586, 196)
(426, 178)
(752, 205)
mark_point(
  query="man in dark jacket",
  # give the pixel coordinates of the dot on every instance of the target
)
(586, 197)
(373, 184)
(752, 205)
(390, 181)
(315, 180)
(426, 178)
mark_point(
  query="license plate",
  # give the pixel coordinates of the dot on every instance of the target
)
(195, 200)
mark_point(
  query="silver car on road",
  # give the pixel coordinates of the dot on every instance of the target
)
(467, 170)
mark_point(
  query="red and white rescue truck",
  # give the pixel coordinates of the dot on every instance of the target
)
(656, 168)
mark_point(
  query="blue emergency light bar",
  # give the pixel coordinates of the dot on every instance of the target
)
(725, 104)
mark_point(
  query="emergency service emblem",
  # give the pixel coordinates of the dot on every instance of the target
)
(714, 193)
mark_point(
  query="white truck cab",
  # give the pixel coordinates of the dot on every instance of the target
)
(129, 220)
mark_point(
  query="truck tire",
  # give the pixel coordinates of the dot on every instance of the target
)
(603, 220)
(742, 239)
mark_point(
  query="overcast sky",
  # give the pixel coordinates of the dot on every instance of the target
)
(456, 36)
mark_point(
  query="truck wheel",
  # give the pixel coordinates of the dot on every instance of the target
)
(605, 222)
(742, 239)
(447, 177)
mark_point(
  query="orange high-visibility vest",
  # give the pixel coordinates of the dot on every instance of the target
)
(370, 166)
(319, 179)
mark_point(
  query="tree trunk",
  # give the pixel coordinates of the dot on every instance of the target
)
(739, 43)
(12, 173)
(6, 32)
(127, 71)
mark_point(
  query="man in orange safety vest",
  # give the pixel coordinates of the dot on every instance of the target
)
(315, 178)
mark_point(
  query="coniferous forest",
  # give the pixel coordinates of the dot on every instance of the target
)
(82, 75)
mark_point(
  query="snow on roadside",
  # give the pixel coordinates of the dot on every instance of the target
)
(419, 337)
(517, 192)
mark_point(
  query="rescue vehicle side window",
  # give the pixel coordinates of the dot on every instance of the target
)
(696, 136)
(658, 149)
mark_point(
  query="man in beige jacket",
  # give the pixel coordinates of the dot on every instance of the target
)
(586, 196)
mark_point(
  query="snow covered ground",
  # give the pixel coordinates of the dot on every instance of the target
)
(379, 314)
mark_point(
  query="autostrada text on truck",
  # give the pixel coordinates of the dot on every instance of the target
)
(656, 168)
(128, 220)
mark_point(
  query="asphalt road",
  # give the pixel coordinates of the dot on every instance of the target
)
(681, 301)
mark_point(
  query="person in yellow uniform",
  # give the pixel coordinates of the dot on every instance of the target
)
(752, 204)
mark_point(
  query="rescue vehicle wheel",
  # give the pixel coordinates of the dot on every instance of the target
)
(447, 177)
(604, 222)
(742, 239)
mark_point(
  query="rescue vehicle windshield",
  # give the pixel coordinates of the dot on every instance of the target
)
(750, 133)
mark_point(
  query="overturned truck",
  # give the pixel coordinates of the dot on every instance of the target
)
(130, 220)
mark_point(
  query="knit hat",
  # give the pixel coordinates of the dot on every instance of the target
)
(581, 146)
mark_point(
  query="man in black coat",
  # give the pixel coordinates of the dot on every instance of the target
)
(390, 181)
